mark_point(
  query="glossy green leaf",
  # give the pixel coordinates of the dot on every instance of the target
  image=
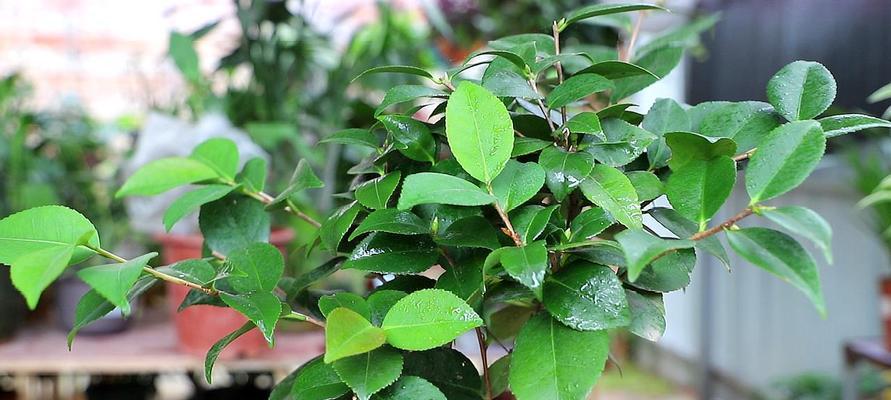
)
(564, 170)
(93, 306)
(447, 369)
(646, 184)
(641, 248)
(404, 93)
(255, 268)
(668, 273)
(590, 223)
(605, 9)
(666, 115)
(233, 222)
(614, 69)
(114, 281)
(660, 62)
(376, 193)
(700, 188)
(517, 183)
(411, 137)
(211, 358)
(464, 279)
(621, 143)
(585, 122)
(529, 222)
(838, 125)
(220, 154)
(433, 188)
(162, 175)
(391, 221)
(473, 231)
(191, 201)
(611, 190)
(785, 158)
(805, 222)
(366, 374)
(197, 271)
(411, 388)
(336, 226)
(347, 334)
(746, 122)
(479, 130)
(262, 308)
(576, 88)
(253, 175)
(395, 254)
(381, 301)
(801, 90)
(398, 69)
(551, 361)
(684, 228)
(514, 58)
(586, 297)
(527, 264)
(302, 179)
(348, 300)
(48, 226)
(353, 136)
(782, 256)
(316, 380)
(687, 147)
(647, 314)
(428, 318)
(33, 272)
(524, 146)
(509, 84)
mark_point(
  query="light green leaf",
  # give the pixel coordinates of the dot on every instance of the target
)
(366, 374)
(253, 175)
(162, 175)
(527, 264)
(646, 184)
(197, 271)
(411, 388)
(586, 297)
(479, 130)
(255, 268)
(33, 272)
(302, 179)
(395, 254)
(611, 190)
(700, 188)
(411, 137)
(262, 308)
(564, 170)
(181, 48)
(782, 256)
(576, 88)
(784, 160)
(348, 300)
(801, 90)
(336, 226)
(668, 273)
(48, 226)
(805, 222)
(517, 183)
(746, 122)
(647, 314)
(434, 188)
(353, 136)
(211, 358)
(404, 93)
(838, 125)
(641, 248)
(233, 222)
(391, 221)
(605, 9)
(191, 201)
(551, 361)
(220, 154)
(529, 222)
(428, 318)
(114, 281)
(375, 193)
(347, 334)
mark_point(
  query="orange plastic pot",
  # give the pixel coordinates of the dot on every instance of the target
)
(199, 327)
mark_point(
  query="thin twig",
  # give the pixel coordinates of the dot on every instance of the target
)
(724, 225)
(544, 110)
(743, 156)
(559, 66)
(629, 48)
(291, 207)
(482, 341)
(151, 271)
(510, 228)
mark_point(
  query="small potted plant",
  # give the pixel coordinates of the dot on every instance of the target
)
(527, 187)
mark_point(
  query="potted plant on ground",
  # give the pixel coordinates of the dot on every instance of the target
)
(528, 188)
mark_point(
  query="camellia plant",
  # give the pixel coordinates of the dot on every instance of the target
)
(526, 189)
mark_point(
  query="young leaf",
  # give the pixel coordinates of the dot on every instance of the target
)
(433, 188)
(220, 154)
(555, 362)
(263, 309)
(785, 158)
(303, 178)
(564, 170)
(517, 183)
(428, 318)
(590, 223)
(411, 388)
(391, 221)
(114, 281)
(805, 222)
(611, 190)
(395, 254)
(587, 297)
(255, 268)
(191, 201)
(479, 130)
(746, 122)
(838, 125)
(375, 193)
(313, 380)
(605, 9)
(382, 300)
(801, 90)
(233, 222)
(647, 314)
(211, 358)
(411, 137)
(366, 374)
(354, 136)
(162, 175)
(33, 272)
(527, 264)
(403, 93)
(782, 256)
(34, 229)
(348, 333)
(253, 175)
(641, 248)
(447, 369)
(348, 300)
(576, 88)
(332, 230)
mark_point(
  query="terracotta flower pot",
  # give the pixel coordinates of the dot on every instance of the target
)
(885, 308)
(199, 327)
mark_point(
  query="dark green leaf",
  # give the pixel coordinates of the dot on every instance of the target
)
(647, 314)
(621, 143)
(564, 170)
(428, 318)
(684, 228)
(747, 123)
(611, 190)
(586, 297)
(641, 248)
(590, 223)
(232, 223)
(614, 69)
(433, 188)
(666, 115)
(302, 179)
(784, 160)
(473, 231)
(509, 84)
(263, 309)
(358, 137)
(314, 380)
(255, 268)
(805, 222)
(668, 273)
(499, 373)
(646, 184)
(93, 306)
(211, 358)
(530, 221)
(465, 280)
(395, 254)
(688, 146)
(587, 123)
(448, 370)
(366, 374)
(660, 62)
(524, 146)
(411, 137)
(576, 88)
(399, 69)
(700, 188)
(801, 90)
(479, 130)
(346, 300)
(391, 221)
(838, 125)
(336, 226)
(605, 9)
(196, 271)
(376, 193)
(381, 301)
(411, 388)
(403, 93)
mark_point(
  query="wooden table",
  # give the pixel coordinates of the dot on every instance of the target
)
(857, 351)
(149, 347)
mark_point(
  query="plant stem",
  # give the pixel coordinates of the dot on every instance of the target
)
(743, 156)
(510, 228)
(291, 207)
(559, 67)
(544, 110)
(482, 341)
(151, 271)
(724, 225)
(629, 48)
